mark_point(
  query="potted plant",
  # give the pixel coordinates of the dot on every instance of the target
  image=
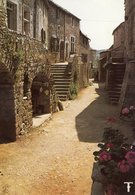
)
(117, 161)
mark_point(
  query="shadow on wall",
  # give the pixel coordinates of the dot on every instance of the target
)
(90, 123)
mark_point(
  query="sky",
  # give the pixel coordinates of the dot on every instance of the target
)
(98, 18)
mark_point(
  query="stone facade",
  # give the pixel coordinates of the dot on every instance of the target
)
(25, 80)
(128, 90)
(85, 58)
(33, 34)
(118, 47)
(64, 30)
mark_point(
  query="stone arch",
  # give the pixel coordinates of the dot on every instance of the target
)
(7, 107)
(40, 95)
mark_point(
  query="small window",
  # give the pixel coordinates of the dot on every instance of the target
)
(26, 20)
(57, 13)
(72, 44)
(12, 15)
(43, 35)
(73, 21)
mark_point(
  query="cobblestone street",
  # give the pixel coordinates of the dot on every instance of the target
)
(57, 158)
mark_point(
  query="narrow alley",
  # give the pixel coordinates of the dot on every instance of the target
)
(57, 158)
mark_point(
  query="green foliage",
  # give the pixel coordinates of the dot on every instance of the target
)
(73, 91)
(112, 156)
(113, 136)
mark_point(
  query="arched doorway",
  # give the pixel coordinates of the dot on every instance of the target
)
(7, 108)
(40, 95)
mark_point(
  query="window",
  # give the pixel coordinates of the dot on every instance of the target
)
(26, 21)
(43, 35)
(72, 44)
(67, 50)
(73, 21)
(54, 44)
(12, 15)
(57, 13)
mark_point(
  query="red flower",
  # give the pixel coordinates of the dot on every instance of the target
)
(130, 156)
(125, 111)
(109, 145)
(104, 156)
(124, 166)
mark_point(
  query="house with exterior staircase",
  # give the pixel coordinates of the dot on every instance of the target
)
(68, 49)
(113, 61)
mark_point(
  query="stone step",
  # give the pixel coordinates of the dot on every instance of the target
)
(58, 70)
(59, 66)
(62, 92)
(62, 79)
(63, 97)
(62, 82)
(114, 92)
(61, 86)
(118, 64)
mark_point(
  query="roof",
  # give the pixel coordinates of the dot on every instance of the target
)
(85, 35)
(118, 27)
(64, 10)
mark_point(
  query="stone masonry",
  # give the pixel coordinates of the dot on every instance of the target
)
(23, 64)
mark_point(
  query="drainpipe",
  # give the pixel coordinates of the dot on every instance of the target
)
(35, 18)
(22, 17)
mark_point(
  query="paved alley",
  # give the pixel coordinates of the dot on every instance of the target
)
(56, 159)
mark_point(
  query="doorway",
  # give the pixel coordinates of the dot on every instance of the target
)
(7, 108)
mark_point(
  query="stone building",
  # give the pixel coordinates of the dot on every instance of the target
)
(128, 89)
(33, 35)
(115, 64)
(85, 58)
(64, 29)
(118, 47)
(65, 48)
(25, 82)
(103, 73)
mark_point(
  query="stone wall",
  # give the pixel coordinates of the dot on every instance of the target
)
(128, 88)
(84, 51)
(72, 30)
(21, 56)
(119, 36)
(62, 28)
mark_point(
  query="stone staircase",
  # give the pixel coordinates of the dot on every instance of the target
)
(62, 79)
(116, 75)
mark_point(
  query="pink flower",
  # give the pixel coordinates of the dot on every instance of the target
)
(104, 156)
(109, 145)
(125, 111)
(124, 166)
(131, 108)
(130, 156)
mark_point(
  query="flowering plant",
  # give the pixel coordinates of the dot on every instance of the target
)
(128, 112)
(116, 157)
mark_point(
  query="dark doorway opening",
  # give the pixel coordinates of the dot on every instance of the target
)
(7, 108)
(62, 51)
(40, 95)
